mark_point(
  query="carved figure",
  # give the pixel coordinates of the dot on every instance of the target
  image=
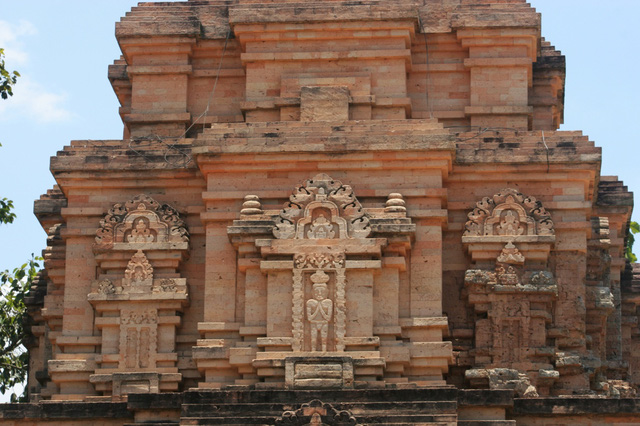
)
(140, 220)
(510, 225)
(319, 311)
(508, 213)
(347, 216)
(140, 232)
(321, 228)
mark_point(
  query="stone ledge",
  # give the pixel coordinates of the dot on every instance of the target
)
(66, 410)
(576, 406)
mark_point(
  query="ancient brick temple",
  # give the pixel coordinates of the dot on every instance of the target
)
(334, 212)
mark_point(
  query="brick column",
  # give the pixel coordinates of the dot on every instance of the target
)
(500, 62)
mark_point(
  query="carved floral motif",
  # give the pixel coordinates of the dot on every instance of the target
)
(139, 317)
(140, 220)
(319, 260)
(168, 285)
(507, 276)
(509, 213)
(105, 286)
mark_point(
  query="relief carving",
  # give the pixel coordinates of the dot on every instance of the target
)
(320, 260)
(320, 228)
(322, 208)
(105, 286)
(167, 285)
(138, 338)
(140, 220)
(509, 213)
(139, 271)
(316, 413)
(141, 232)
(507, 276)
(511, 255)
(319, 310)
(298, 311)
(139, 317)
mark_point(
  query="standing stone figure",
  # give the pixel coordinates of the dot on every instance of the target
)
(319, 310)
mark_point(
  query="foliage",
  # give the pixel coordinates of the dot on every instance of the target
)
(7, 78)
(14, 358)
(634, 228)
(6, 215)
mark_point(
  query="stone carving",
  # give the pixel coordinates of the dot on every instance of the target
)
(395, 204)
(297, 313)
(138, 338)
(319, 310)
(320, 228)
(502, 378)
(140, 220)
(141, 232)
(341, 309)
(320, 264)
(509, 225)
(316, 413)
(511, 255)
(139, 271)
(479, 276)
(320, 260)
(167, 285)
(139, 317)
(251, 206)
(509, 213)
(507, 276)
(105, 286)
(542, 278)
(321, 207)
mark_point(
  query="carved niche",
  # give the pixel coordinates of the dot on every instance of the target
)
(321, 209)
(140, 220)
(309, 273)
(511, 295)
(129, 294)
(508, 213)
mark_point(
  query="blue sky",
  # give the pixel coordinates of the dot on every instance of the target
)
(63, 48)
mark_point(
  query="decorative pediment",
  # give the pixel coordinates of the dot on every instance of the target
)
(316, 413)
(509, 213)
(142, 220)
(322, 208)
(139, 271)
